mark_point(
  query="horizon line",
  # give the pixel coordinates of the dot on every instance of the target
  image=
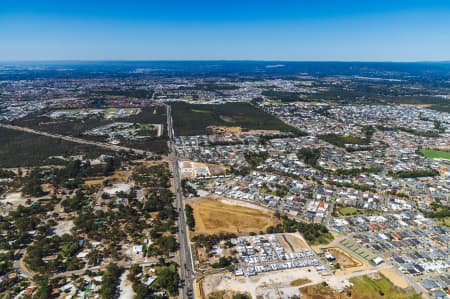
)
(219, 60)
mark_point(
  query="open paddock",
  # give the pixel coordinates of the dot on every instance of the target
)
(214, 216)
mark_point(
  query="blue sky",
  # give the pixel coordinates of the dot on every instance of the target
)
(341, 30)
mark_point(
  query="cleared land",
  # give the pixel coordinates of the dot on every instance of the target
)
(194, 119)
(433, 154)
(344, 259)
(395, 278)
(214, 216)
(293, 242)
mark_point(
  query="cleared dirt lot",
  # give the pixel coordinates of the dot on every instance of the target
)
(264, 286)
(395, 278)
(215, 216)
(344, 259)
(293, 242)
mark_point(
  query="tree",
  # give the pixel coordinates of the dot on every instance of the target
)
(168, 279)
(110, 281)
(44, 289)
(32, 185)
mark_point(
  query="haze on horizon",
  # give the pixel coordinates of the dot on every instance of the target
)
(225, 30)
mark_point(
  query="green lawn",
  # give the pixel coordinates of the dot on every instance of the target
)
(432, 154)
(346, 211)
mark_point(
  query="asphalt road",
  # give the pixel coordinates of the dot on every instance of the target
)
(186, 265)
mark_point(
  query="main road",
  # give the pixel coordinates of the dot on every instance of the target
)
(186, 265)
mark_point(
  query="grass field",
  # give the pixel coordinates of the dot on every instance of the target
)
(363, 287)
(346, 211)
(432, 154)
(374, 288)
(213, 216)
(443, 221)
(193, 119)
(26, 149)
(300, 282)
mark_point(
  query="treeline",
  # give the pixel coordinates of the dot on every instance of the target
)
(432, 134)
(110, 281)
(131, 93)
(417, 173)
(309, 156)
(283, 96)
(6, 174)
(224, 262)
(254, 159)
(368, 132)
(208, 241)
(357, 171)
(187, 188)
(167, 279)
(215, 86)
(343, 140)
(263, 139)
(190, 220)
(59, 251)
(442, 212)
(72, 175)
(314, 233)
(32, 184)
(157, 176)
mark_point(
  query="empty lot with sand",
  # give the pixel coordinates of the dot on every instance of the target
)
(214, 216)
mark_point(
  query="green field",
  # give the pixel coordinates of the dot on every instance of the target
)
(193, 119)
(379, 288)
(432, 154)
(346, 211)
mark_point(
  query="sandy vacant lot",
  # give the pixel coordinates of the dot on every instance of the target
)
(395, 277)
(293, 242)
(215, 216)
(11, 202)
(267, 285)
(344, 259)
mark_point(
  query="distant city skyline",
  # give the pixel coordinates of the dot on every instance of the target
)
(225, 30)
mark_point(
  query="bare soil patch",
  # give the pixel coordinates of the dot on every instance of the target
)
(395, 278)
(344, 259)
(214, 216)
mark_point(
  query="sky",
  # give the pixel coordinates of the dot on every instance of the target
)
(340, 30)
